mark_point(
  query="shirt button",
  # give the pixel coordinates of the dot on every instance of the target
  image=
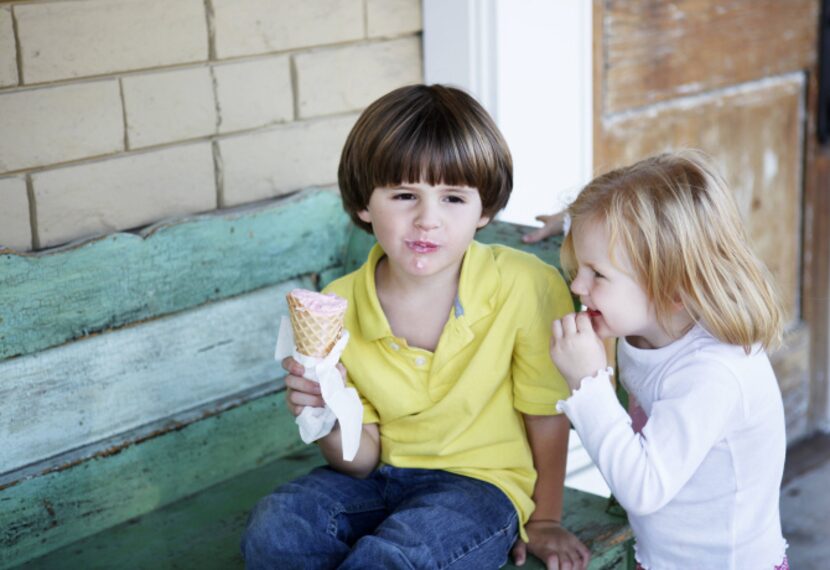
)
(420, 361)
(394, 346)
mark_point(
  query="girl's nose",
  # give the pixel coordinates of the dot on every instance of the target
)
(578, 286)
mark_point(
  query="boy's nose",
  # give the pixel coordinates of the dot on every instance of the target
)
(427, 218)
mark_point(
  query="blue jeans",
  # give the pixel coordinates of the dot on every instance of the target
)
(395, 518)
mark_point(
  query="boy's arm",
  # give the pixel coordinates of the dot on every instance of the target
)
(549, 541)
(548, 438)
(301, 392)
(367, 456)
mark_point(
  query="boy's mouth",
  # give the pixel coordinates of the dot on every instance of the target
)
(421, 246)
(593, 313)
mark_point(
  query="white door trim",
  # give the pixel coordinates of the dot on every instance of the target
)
(529, 63)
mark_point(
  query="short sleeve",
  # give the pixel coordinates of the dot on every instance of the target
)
(537, 384)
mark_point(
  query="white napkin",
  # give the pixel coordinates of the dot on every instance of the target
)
(342, 403)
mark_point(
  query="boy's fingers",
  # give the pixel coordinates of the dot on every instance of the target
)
(586, 555)
(556, 329)
(295, 410)
(552, 562)
(301, 399)
(302, 384)
(519, 553)
(292, 366)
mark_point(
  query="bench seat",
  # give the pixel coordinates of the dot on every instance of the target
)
(203, 531)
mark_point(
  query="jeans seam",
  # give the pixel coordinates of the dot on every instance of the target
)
(340, 509)
(478, 545)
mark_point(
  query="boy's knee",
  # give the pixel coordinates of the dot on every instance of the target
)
(380, 552)
(266, 532)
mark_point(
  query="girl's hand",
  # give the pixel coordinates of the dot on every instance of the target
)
(576, 349)
(299, 391)
(553, 545)
(554, 224)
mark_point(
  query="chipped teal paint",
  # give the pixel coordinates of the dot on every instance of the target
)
(46, 512)
(93, 389)
(47, 299)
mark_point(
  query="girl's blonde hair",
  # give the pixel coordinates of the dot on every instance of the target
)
(676, 219)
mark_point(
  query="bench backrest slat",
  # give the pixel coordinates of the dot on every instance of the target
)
(50, 298)
(93, 389)
(46, 512)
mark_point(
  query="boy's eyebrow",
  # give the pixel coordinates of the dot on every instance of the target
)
(447, 187)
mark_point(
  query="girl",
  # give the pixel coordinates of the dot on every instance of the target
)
(659, 259)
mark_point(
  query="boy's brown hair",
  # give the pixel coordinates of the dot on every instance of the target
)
(425, 133)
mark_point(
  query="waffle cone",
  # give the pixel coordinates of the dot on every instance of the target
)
(314, 334)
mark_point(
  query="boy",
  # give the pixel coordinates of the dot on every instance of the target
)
(449, 352)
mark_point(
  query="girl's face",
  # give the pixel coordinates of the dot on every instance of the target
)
(424, 229)
(617, 303)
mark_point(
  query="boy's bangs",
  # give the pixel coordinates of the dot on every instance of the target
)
(432, 160)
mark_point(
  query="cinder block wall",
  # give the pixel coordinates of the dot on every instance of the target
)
(115, 114)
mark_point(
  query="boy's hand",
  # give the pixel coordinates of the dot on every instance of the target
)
(553, 545)
(576, 349)
(299, 391)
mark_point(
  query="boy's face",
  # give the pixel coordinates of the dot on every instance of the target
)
(424, 229)
(617, 303)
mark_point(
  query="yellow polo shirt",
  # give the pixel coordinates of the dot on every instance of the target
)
(458, 408)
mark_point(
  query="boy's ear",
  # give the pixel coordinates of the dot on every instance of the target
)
(365, 216)
(483, 222)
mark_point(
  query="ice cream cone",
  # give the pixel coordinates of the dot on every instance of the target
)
(317, 320)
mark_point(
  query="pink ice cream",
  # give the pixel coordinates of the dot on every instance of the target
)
(319, 303)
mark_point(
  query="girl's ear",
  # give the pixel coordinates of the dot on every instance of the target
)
(365, 216)
(482, 222)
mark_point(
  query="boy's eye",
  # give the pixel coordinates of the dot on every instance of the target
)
(403, 196)
(455, 199)
(598, 275)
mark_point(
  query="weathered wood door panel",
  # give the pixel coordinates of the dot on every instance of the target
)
(733, 79)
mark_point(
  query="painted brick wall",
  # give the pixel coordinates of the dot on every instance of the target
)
(115, 114)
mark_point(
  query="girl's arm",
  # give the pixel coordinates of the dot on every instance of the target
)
(646, 470)
(549, 541)
(695, 407)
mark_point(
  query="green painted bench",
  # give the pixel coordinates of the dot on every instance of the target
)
(142, 411)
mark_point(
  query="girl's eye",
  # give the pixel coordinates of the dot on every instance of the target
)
(455, 199)
(598, 275)
(403, 196)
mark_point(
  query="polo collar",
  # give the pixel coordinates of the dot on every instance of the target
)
(477, 287)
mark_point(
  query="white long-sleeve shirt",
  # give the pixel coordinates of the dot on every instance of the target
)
(701, 481)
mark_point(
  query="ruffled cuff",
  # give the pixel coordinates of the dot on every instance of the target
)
(591, 387)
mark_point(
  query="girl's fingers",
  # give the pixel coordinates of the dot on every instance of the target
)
(569, 324)
(556, 329)
(583, 322)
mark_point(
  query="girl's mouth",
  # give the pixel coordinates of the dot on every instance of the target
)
(593, 313)
(421, 246)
